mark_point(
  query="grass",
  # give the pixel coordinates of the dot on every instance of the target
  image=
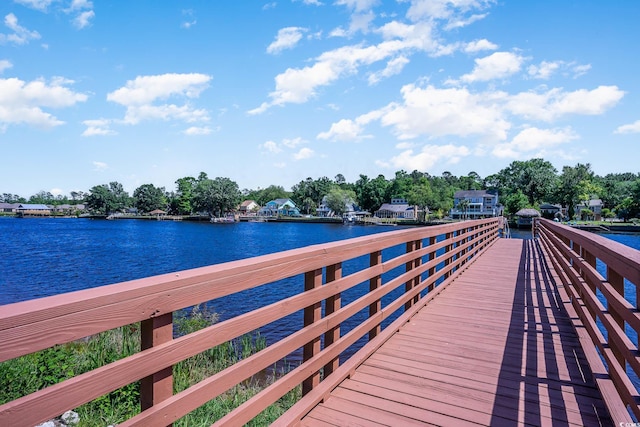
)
(27, 374)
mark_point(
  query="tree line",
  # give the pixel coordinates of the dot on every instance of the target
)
(520, 185)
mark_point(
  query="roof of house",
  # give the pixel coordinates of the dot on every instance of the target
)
(528, 213)
(550, 206)
(473, 193)
(592, 202)
(9, 205)
(247, 203)
(395, 207)
(35, 207)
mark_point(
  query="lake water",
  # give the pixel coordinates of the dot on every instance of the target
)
(42, 257)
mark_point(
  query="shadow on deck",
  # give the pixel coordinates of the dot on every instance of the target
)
(497, 347)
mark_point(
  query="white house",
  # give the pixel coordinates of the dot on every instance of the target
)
(593, 205)
(479, 204)
(398, 208)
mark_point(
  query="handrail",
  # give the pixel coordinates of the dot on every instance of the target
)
(600, 301)
(429, 260)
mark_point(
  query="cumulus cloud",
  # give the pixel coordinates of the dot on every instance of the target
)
(82, 11)
(271, 146)
(545, 70)
(293, 142)
(630, 128)
(454, 13)
(287, 38)
(479, 45)
(83, 19)
(143, 97)
(438, 112)
(304, 153)
(554, 103)
(23, 102)
(20, 34)
(427, 158)
(498, 65)
(534, 140)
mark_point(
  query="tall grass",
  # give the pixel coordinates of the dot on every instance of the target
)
(24, 375)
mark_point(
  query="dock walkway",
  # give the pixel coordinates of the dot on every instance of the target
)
(496, 347)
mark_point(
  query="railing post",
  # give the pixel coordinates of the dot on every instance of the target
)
(312, 314)
(617, 281)
(432, 256)
(332, 304)
(159, 386)
(375, 258)
(414, 263)
(448, 249)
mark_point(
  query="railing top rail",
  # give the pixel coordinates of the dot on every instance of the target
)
(623, 259)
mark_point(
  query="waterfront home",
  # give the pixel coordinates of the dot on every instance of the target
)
(475, 204)
(279, 207)
(398, 208)
(550, 211)
(29, 209)
(351, 209)
(248, 207)
(68, 209)
(592, 210)
(9, 207)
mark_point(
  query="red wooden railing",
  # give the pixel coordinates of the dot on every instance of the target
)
(434, 256)
(602, 303)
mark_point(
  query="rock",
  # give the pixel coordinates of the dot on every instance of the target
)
(70, 418)
(47, 424)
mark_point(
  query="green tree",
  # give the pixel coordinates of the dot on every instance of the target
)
(515, 201)
(371, 193)
(106, 199)
(148, 198)
(216, 196)
(568, 190)
(421, 195)
(339, 199)
(42, 198)
(182, 199)
(308, 194)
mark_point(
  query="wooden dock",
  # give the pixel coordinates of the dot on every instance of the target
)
(497, 347)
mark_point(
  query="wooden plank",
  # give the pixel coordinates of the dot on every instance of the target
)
(496, 347)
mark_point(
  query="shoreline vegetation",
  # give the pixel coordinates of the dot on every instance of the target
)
(528, 184)
(27, 374)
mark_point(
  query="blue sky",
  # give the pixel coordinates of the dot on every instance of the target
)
(272, 92)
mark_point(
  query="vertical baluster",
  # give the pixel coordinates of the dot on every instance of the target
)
(332, 304)
(375, 258)
(617, 281)
(312, 314)
(417, 262)
(432, 256)
(159, 386)
(411, 246)
(448, 249)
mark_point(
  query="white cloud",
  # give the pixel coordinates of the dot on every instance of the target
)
(20, 34)
(427, 158)
(83, 19)
(630, 128)
(554, 103)
(293, 142)
(580, 70)
(77, 5)
(40, 5)
(535, 140)
(440, 112)
(191, 21)
(343, 130)
(100, 166)
(287, 38)
(271, 146)
(23, 103)
(139, 96)
(312, 2)
(304, 153)
(268, 6)
(479, 45)
(498, 65)
(358, 5)
(98, 127)
(393, 67)
(197, 131)
(450, 11)
(4, 65)
(544, 70)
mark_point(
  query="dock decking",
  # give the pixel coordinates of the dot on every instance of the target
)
(496, 347)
